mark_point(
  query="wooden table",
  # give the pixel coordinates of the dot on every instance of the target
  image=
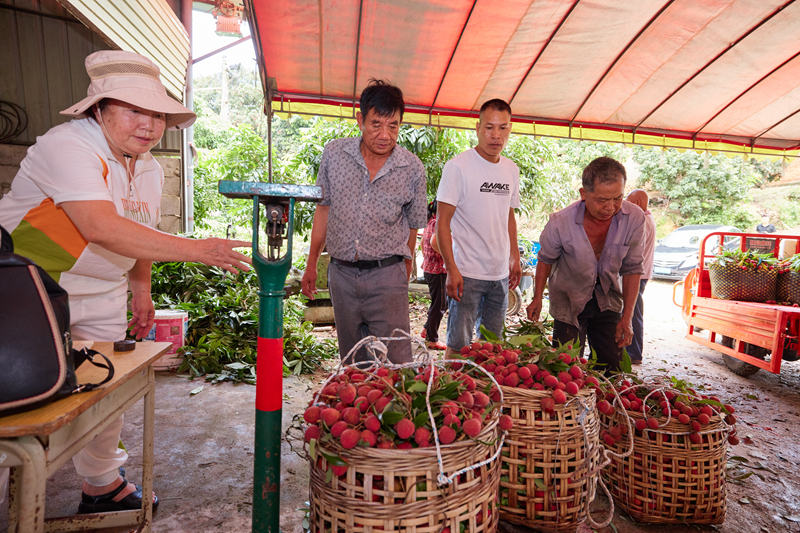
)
(36, 443)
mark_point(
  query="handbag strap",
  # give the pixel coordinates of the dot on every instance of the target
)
(87, 354)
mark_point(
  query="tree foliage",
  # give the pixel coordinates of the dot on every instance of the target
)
(699, 188)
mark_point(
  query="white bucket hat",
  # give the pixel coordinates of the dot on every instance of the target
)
(131, 78)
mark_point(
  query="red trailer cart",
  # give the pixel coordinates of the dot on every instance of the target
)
(747, 333)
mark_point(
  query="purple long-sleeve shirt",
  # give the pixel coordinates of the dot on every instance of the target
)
(577, 273)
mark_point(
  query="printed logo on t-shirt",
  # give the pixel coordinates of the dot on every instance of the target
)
(136, 210)
(503, 189)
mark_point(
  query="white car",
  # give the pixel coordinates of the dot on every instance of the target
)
(676, 254)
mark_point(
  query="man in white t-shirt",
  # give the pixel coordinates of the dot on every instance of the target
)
(639, 197)
(477, 230)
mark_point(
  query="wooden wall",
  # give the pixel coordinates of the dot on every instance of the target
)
(42, 48)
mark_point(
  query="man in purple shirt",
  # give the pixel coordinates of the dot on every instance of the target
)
(592, 255)
(373, 203)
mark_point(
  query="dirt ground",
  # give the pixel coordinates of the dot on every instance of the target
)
(204, 442)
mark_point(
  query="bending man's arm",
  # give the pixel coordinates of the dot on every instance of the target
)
(444, 238)
(99, 223)
(630, 291)
(534, 308)
(319, 230)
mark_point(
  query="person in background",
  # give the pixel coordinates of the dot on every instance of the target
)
(477, 229)
(436, 277)
(639, 197)
(373, 203)
(587, 249)
(84, 206)
(765, 226)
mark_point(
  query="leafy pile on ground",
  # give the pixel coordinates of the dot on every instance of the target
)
(223, 323)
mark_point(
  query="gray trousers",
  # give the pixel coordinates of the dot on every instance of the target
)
(370, 302)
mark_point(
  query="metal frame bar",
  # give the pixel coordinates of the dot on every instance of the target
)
(33, 461)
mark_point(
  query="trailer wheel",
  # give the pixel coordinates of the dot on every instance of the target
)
(737, 366)
(514, 302)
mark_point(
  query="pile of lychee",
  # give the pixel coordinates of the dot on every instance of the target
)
(653, 404)
(558, 370)
(384, 407)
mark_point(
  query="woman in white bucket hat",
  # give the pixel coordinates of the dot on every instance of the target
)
(84, 206)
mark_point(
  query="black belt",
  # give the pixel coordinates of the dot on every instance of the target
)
(366, 265)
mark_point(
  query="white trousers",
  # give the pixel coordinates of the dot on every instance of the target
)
(100, 317)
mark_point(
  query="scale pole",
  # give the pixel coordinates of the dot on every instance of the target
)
(269, 380)
(279, 200)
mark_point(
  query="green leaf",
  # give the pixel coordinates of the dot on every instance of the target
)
(334, 460)
(539, 483)
(488, 335)
(390, 418)
(421, 419)
(417, 386)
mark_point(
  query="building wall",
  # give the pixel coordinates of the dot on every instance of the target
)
(11, 156)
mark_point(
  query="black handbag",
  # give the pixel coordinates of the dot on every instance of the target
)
(37, 360)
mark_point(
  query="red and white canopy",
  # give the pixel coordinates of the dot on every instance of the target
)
(711, 74)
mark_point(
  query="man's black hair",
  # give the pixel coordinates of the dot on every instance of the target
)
(496, 103)
(382, 97)
(602, 170)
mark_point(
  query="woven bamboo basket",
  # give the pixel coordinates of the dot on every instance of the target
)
(788, 287)
(729, 282)
(549, 460)
(397, 490)
(667, 479)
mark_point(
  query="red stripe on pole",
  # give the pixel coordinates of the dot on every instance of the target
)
(269, 374)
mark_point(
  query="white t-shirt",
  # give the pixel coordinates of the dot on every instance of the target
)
(649, 245)
(73, 162)
(483, 193)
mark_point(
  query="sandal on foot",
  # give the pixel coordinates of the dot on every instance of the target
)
(105, 503)
(436, 346)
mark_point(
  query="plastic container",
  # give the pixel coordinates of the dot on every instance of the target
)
(169, 325)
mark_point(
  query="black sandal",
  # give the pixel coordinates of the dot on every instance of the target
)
(105, 503)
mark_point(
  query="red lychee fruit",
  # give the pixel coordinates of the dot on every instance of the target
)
(369, 437)
(312, 432)
(550, 381)
(349, 438)
(447, 435)
(559, 396)
(466, 399)
(372, 423)
(312, 414)
(571, 388)
(472, 427)
(511, 380)
(330, 416)
(404, 428)
(481, 399)
(381, 404)
(505, 422)
(339, 471)
(347, 393)
(452, 420)
(548, 404)
(351, 415)
(422, 436)
(338, 428)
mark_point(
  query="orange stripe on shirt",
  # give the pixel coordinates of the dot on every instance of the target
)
(54, 222)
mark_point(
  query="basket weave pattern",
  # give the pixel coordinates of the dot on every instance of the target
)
(788, 287)
(730, 282)
(667, 479)
(397, 490)
(548, 461)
